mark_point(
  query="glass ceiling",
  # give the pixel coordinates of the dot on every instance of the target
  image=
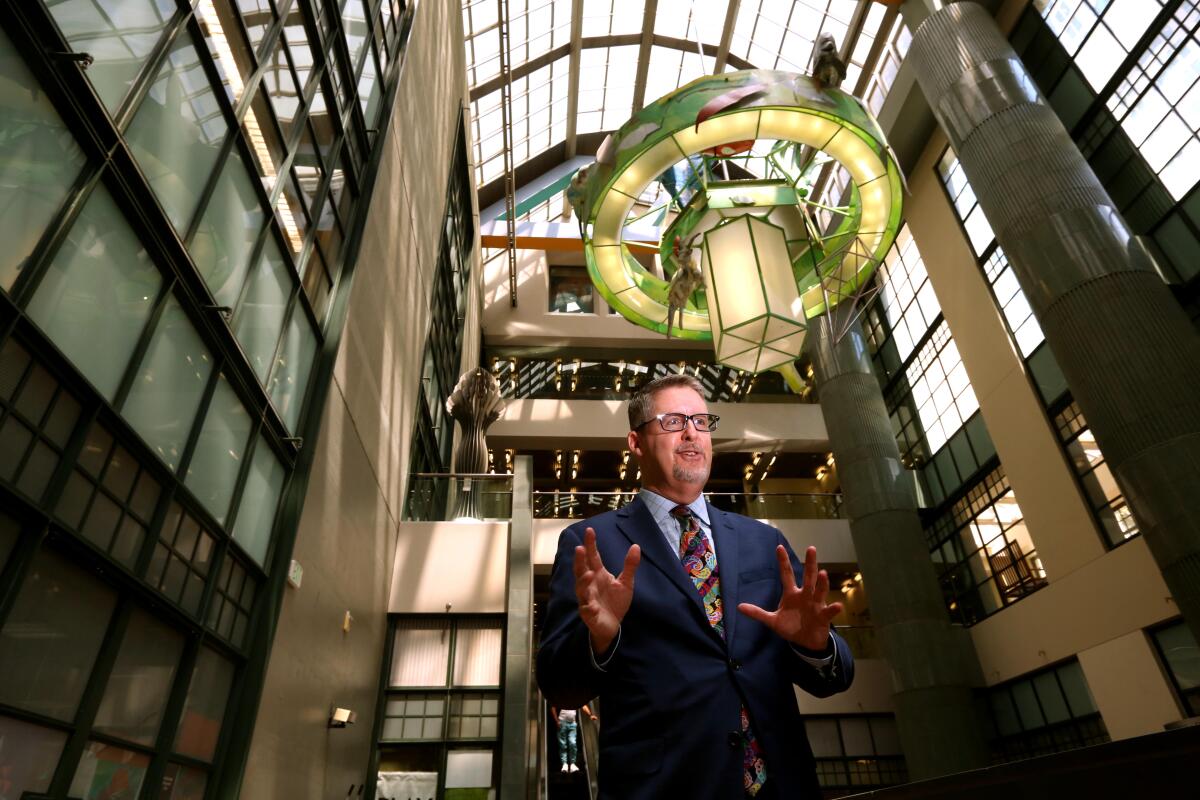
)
(765, 34)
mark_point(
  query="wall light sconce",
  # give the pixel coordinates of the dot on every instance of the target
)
(341, 717)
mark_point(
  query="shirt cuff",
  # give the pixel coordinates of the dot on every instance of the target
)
(815, 659)
(606, 656)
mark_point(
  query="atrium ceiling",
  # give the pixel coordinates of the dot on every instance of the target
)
(582, 67)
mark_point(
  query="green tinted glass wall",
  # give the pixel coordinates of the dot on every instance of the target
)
(178, 216)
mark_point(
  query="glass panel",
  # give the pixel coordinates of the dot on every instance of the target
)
(856, 737)
(420, 653)
(169, 384)
(260, 317)
(256, 512)
(280, 86)
(28, 755)
(177, 132)
(477, 654)
(97, 295)
(225, 42)
(141, 679)
(106, 771)
(118, 35)
(1181, 654)
(227, 233)
(1074, 685)
(52, 636)
(39, 160)
(1027, 706)
(183, 783)
(293, 364)
(200, 724)
(468, 769)
(1053, 703)
(217, 461)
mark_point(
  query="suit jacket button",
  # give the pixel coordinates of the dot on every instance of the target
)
(735, 739)
(734, 664)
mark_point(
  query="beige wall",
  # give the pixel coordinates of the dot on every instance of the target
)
(460, 564)
(1059, 522)
(530, 324)
(1097, 601)
(1117, 594)
(1128, 687)
(602, 425)
(347, 535)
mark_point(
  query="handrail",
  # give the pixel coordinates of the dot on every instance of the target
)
(460, 475)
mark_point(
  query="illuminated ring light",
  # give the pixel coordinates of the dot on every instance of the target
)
(790, 108)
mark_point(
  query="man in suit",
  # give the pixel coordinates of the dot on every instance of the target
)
(694, 655)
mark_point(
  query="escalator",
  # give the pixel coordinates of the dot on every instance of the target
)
(580, 785)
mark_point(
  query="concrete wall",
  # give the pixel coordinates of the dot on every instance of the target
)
(348, 532)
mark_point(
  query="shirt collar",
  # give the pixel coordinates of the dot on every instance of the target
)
(699, 506)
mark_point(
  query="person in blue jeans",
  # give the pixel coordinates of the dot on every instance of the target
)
(568, 735)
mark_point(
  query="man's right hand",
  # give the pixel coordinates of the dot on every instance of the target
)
(603, 598)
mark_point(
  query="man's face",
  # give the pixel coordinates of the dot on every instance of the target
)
(674, 464)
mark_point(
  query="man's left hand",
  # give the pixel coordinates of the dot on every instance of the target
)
(802, 617)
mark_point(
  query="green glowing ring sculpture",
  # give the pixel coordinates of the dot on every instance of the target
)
(788, 107)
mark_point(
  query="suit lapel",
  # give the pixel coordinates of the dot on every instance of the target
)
(637, 524)
(726, 539)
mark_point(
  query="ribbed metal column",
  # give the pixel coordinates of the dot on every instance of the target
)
(1130, 356)
(518, 733)
(932, 663)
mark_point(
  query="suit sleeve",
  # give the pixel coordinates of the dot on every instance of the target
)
(566, 672)
(823, 681)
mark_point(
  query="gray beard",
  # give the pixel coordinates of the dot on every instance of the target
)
(685, 475)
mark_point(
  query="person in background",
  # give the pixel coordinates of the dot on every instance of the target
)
(568, 735)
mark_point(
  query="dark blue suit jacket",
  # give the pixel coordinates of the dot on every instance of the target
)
(671, 696)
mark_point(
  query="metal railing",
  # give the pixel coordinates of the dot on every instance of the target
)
(759, 505)
(582, 379)
(440, 496)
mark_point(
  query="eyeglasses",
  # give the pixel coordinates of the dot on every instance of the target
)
(703, 423)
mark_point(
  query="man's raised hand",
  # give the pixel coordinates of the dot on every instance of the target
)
(802, 617)
(603, 598)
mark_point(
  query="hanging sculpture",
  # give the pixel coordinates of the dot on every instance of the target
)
(771, 257)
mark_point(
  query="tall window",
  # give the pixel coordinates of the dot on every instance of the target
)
(433, 432)
(983, 553)
(858, 752)
(1123, 76)
(934, 411)
(1047, 712)
(1180, 655)
(1108, 505)
(442, 708)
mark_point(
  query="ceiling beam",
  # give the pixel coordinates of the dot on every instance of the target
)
(726, 37)
(573, 73)
(643, 67)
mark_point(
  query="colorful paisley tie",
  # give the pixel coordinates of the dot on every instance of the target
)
(700, 562)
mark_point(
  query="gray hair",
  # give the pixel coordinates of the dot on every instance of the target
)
(641, 403)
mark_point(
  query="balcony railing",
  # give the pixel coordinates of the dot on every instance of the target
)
(566, 378)
(759, 505)
(440, 496)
